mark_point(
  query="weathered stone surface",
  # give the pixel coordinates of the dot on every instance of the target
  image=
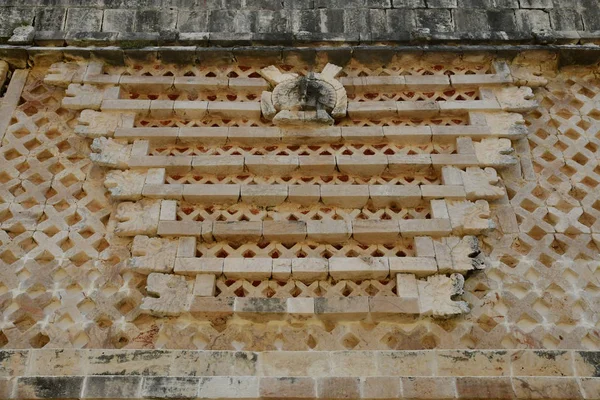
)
(172, 295)
(152, 255)
(140, 218)
(436, 296)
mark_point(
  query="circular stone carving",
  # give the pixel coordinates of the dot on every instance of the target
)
(305, 93)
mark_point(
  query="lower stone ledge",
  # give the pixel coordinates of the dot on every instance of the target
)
(287, 387)
(421, 374)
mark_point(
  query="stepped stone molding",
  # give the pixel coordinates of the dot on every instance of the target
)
(181, 283)
(441, 374)
(68, 279)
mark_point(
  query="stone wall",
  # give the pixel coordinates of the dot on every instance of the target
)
(227, 22)
(454, 374)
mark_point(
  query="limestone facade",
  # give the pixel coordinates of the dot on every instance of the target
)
(336, 216)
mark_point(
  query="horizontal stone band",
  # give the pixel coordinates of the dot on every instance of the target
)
(420, 374)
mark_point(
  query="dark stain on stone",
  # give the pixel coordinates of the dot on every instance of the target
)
(592, 358)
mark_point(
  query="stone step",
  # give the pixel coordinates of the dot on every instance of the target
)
(321, 231)
(362, 165)
(431, 296)
(272, 136)
(426, 83)
(306, 270)
(247, 110)
(415, 109)
(344, 196)
(162, 84)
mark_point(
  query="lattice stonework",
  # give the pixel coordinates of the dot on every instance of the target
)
(428, 203)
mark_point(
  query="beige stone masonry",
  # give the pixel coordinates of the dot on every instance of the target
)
(173, 295)
(63, 73)
(315, 374)
(139, 218)
(451, 254)
(92, 124)
(357, 268)
(511, 127)
(152, 254)
(82, 97)
(469, 218)
(11, 98)
(488, 153)
(431, 296)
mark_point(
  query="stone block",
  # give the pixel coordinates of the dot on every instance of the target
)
(372, 109)
(471, 363)
(542, 363)
(342, 307)
(218, 193)
(301, 306)
(427, 388)
(407, 287)
(186, 247)
(408, 134)
(112, 387)
(209, 136)
(152, 255)
(316, 164)
(49, 387)
(345, 196)
(170, 387)
(338, 388)
(425, 227)
(224, 387)
(287, 388)
(203, 265)
(390, 306)
(370, 134)
(395, 196)
(590, 387)
(358, 268)
(284, 231)
(171, 295)
(255, 305)
(54, 362)
(361, 165)
(211, 307)
(204, 286)
(332, 231)
(282, 269)
(304, 194)
(353, 363)
(267, 165)
(248, 268)
(535, 387)
(430, 192)
(237, 231)
(213, 363)
(218, 164)
(308, 270)
(264, 195)
(179, 228)
(106, 362)
(401, 164)
(424, 246)
(295, 363)
(381, 387)
(484, 387)
(587, 363)
(233, 109)
(189, 109)
(375, 231)
(171, 191)
(420, 266)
